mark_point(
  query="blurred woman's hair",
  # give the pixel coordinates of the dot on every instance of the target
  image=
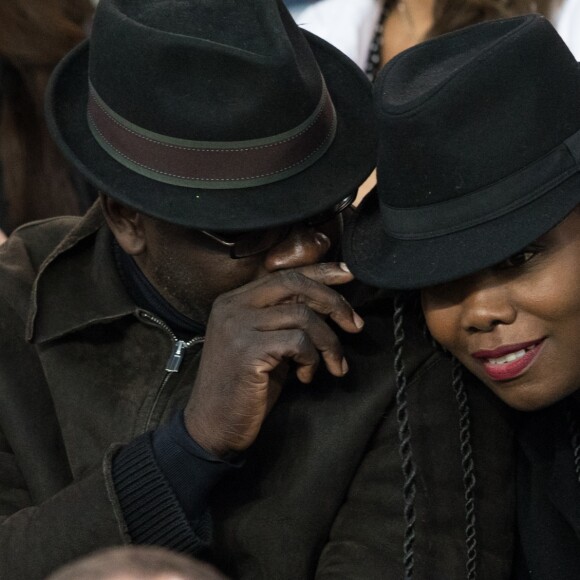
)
(451, 15)
(34, 35)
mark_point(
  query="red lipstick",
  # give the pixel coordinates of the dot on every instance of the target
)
(509, 361)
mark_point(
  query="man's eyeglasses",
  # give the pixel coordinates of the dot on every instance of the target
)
(245, 244)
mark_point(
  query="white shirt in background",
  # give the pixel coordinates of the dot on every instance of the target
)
(567, 23)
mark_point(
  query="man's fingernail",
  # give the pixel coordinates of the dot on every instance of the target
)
(344, 366)
(358, 321)
(344, 267)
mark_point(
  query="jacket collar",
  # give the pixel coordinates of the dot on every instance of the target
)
(77, 284)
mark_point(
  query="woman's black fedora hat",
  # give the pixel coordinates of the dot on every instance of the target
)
(479, 153)
(213, 114)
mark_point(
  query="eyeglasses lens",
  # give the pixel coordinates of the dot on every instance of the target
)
(255, 242)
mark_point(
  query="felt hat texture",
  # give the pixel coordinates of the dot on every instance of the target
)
(479, 153)
(212, 114)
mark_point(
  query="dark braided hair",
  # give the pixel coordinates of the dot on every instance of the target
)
(574, 433)
(405, 449)
(406, 452)
(467, 466)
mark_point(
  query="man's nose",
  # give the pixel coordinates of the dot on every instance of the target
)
(304, 245)
(486, 304)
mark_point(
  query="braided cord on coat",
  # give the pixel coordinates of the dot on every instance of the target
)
(405, 449)
(468, 468)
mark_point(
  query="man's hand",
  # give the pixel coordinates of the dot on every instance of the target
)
(253, 333)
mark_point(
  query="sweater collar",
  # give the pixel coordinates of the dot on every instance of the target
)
(146, 296)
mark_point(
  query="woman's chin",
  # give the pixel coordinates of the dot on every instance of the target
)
(527, 398)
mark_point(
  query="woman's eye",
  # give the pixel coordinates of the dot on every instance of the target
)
(518, 259)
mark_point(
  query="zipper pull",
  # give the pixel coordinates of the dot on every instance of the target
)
(176, 357)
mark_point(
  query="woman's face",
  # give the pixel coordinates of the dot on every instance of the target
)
(516, 326)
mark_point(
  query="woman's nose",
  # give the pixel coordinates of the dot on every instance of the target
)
(303, 246)
(486, 304)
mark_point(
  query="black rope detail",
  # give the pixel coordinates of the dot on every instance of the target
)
(405, 449)
(468, 468)
(574, 433)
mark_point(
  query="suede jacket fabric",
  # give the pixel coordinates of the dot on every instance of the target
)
(82, 374)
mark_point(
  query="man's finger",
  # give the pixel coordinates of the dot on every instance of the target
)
(328, 273)
(292, 286)
(300, 316)
(292, 345)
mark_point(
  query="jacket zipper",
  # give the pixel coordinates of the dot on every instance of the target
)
(173, 362)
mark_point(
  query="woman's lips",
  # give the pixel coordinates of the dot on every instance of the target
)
(510, 361)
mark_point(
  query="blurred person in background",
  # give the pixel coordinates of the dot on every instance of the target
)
(35, 180)
(136, 563)
(371, 32)
(405, 23)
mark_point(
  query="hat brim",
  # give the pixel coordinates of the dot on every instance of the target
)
(346, 164)
(380, 260)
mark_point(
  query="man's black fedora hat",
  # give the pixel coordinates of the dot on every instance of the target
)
(213, 114)
(479, 153)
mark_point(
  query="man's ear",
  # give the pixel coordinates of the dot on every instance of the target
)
(126, 224)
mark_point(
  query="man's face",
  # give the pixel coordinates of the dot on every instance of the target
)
(191, 270)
